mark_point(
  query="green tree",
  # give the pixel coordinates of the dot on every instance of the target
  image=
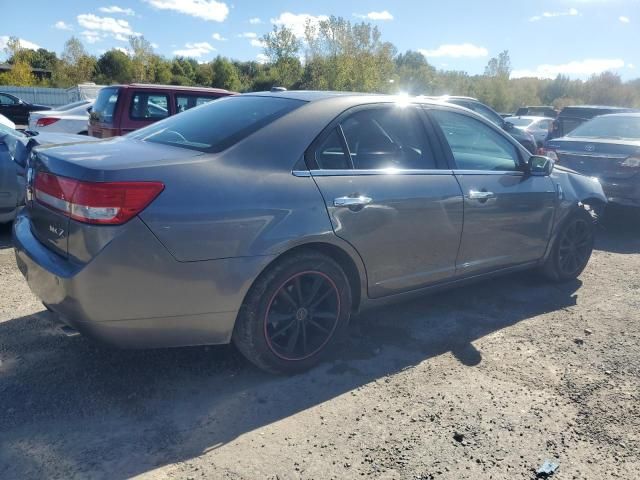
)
(141, 58)
(283, 49)
(75, 66)
(413, 74)
(225, 74)
(114, 66)
(19, 76)
(499, 66)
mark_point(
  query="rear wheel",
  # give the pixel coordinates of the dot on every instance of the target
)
(572, 248)
(294, 314)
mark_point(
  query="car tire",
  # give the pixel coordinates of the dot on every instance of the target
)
(571, 249)
(294, 314)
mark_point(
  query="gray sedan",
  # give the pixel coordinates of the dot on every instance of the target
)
(269, 219)
(536, 126)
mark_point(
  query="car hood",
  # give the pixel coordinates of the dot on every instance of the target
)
(577, 142)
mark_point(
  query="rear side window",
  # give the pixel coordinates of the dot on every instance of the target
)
(186, 102)
(474, 145)
(105, 105)
(149, 106)
(218, 125)
(377, 138)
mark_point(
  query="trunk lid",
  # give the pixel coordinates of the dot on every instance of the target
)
(116, 160)
(596, 157)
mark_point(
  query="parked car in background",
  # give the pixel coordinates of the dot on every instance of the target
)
(18, 110)
(15, 148)
(606, 147)
(526, 139)
(267, 219)
(121, 109)
(6, 122)
(571, 117)
(539, 111)
(536, 126)
(71, 118)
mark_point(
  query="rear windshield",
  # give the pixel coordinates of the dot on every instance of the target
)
(105, 105)
(619, 128)
(215, 126)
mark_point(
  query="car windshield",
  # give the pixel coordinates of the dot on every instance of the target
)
(616, 127)
(519, 122)
(105, 105)
(215, 126)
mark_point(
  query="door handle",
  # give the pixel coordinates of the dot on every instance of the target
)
(480, 195)
(359, 201)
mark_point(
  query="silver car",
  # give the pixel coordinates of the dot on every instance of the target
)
(268, 219)
(536, 126)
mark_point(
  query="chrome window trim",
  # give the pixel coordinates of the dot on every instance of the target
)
(359, 173)
(516, 173)
(592, 155)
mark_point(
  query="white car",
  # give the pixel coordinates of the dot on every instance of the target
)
(71, 118)
(6, 122)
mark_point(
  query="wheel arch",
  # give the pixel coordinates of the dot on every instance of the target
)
(346, 257)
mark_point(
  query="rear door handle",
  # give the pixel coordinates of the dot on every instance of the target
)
(480, 195)
(359, 201)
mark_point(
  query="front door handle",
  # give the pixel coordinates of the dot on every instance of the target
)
(359, 201)
(480, 195)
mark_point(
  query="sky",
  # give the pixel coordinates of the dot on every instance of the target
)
(544, 37)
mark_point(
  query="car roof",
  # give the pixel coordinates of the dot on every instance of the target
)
(150, 86)
(624, 114)
(310, 95)
(596, 107)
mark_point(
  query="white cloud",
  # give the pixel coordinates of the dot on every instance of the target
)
(576, 68)
(116, 9)
(248, 35)
(456, 51)
(90, 36)
(23, 43)
(195, 49)
(154, 45)
(218, 37)
(126, 51)
(255, 21)
(631, 66)
(297, 22)
(262, 58)
(624, 19)
(60, 25)
(257, 43)
(205, 9)
(108, 25)
(572, 12)
(383, 15)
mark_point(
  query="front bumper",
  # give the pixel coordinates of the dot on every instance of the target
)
(134, 294)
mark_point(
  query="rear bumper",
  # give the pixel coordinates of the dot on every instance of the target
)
(622, 192)
(134, 294)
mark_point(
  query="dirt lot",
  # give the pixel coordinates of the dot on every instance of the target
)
(484, 382)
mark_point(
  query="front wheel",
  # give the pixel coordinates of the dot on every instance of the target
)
(294, 313)
(572, 248)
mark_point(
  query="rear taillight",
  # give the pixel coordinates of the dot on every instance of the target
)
(108, 203)
(46, 121)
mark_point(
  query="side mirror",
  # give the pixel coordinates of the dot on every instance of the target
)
(540, 166)
(508, 126)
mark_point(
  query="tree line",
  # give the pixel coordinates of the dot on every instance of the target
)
(334, 54)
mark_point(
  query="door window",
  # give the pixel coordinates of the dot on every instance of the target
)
(149, 106)
(474, 145)
(377, 138)
(185, 102)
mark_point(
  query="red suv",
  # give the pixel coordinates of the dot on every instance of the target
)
(121, 109)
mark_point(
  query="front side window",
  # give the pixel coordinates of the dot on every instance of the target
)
(149, 106)
(185, 102)
(218, 125)
(377, 138)
(474, 145)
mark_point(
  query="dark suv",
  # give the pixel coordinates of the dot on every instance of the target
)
(525, 139)
(121, 109)
(571, 117)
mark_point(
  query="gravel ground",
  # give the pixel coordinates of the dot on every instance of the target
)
(483, 382)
